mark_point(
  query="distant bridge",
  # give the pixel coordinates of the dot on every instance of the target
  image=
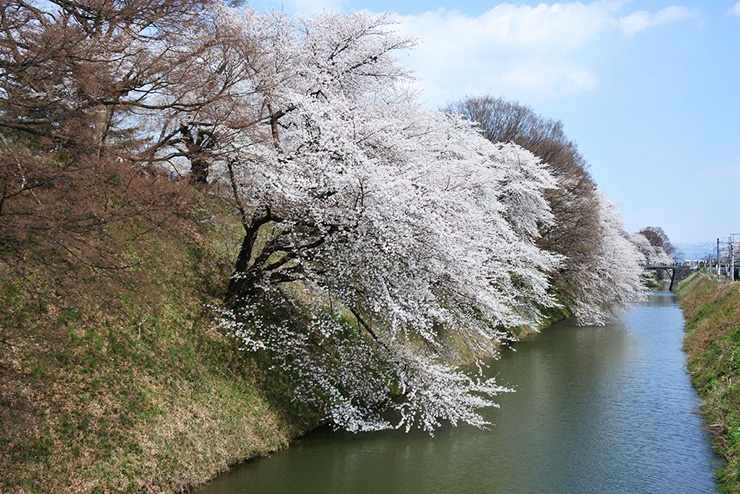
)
(678, 271)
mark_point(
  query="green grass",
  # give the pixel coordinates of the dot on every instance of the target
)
(118, 381)
(712, 344)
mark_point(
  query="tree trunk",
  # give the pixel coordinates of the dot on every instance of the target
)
(198, 171)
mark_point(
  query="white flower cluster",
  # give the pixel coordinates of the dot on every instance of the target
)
(380, 226)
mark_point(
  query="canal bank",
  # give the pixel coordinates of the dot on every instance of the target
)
(596, 409)
(117, 380)
(712, 345)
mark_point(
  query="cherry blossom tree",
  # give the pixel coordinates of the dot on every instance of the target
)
(658, 238)
(583, 230)
(404, 225)
(613, 280)
(652, 254)
(375, 232)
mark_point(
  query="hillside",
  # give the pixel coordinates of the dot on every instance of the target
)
(112, 375)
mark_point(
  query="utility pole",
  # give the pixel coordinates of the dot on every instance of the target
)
(732, 254)
(717, 259)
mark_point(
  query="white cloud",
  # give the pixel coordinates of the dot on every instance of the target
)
(519, 51)
(642, 20)
(735, 10)
(559, 26)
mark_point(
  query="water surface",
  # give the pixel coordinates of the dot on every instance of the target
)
(597, 410)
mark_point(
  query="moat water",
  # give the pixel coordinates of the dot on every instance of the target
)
(597, 410)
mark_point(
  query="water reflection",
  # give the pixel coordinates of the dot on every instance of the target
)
(660, 299)
(607, 410)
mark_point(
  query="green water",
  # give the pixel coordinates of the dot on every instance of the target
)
(597, 410)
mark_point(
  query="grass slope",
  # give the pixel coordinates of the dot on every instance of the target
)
(712, 343)
(115, 380)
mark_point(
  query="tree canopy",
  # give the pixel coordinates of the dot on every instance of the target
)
(376, 232)
(585, 226)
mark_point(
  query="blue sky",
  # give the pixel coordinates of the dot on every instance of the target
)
(650, 90)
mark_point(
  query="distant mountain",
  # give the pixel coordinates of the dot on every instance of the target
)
(696, 250)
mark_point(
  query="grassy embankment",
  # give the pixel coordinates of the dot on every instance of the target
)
(712, 343)
(116, 380)
(113, 377)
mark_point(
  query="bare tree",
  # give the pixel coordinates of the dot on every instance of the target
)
(83, 75)
(77, 78)
(658, 238)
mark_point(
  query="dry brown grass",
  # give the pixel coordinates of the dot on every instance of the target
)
(710, 309)
(112, 376)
